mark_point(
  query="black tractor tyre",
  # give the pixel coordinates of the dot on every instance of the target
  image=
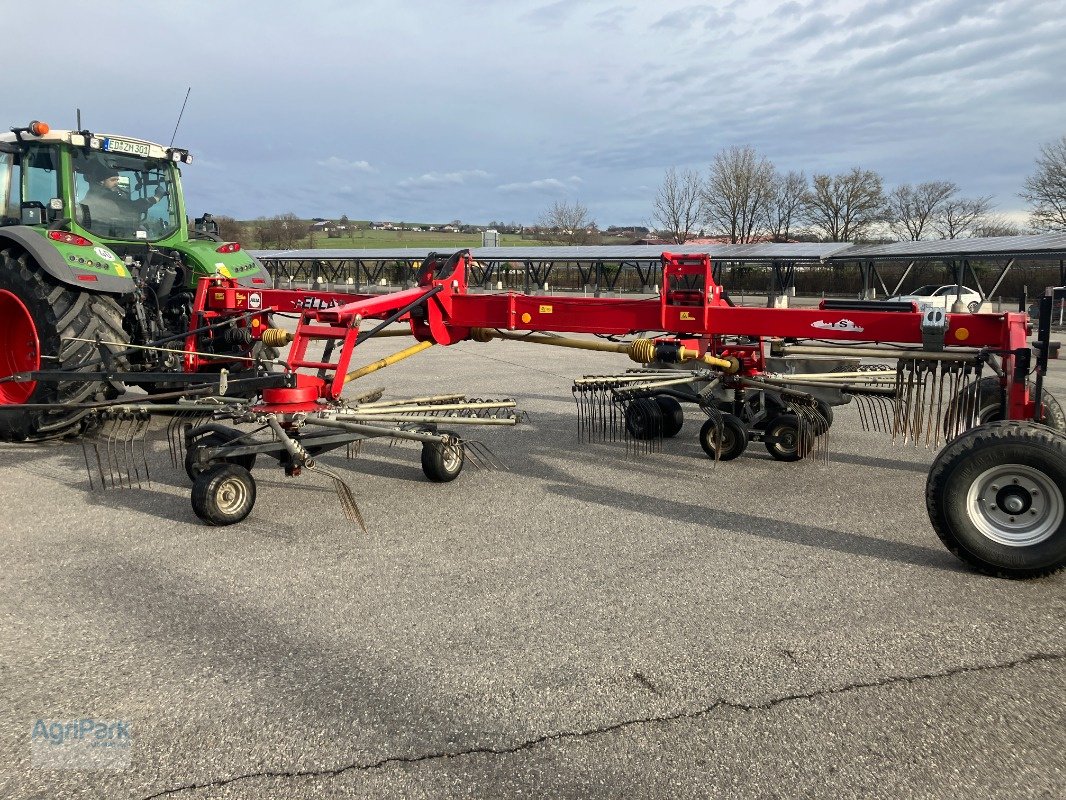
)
(644, 419)
(989, 406)
(193, 468)
(223, 494)
(673, 415)
(785, 437)
(996, 496)
(443, 462)
(59, 314)
(733, 438)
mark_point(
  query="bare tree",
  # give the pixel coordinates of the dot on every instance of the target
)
(787, 204)
(845, 207)
(229, 229)
(1046, 190)
(995, 226)
(568, 223)
(737, 194)
(911, 209)
(281, 232)
(679, 203)
(957, 217)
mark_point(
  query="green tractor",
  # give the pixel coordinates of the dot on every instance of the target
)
(98, 267)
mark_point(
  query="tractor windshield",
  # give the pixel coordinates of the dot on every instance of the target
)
(124, 197)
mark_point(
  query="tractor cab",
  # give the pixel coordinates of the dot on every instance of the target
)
(104, 203)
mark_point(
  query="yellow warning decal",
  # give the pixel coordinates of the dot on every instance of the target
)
(120, 270)
(685, 315)
(220, 295)
(545, 309)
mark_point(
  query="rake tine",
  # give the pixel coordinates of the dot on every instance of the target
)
(344, 495)
(140, 440)
(88, 469)
(127, 450)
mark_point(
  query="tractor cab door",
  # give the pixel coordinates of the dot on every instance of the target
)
(29, 183)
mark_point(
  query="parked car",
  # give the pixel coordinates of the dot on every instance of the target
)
(941, 297)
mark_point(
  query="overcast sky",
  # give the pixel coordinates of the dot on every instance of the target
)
(481, 109)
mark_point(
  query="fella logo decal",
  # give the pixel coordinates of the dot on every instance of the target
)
(255, 300)
(839, 325)
(314, 303)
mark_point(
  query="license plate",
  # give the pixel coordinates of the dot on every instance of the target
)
(123, 146)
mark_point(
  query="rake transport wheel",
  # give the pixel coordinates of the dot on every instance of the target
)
(223, 494)
(443, 462)
(38, 320)
(672, 413)
(193, 465)
(783, 438)
(644, 419)
(996, 496)
(733, 437)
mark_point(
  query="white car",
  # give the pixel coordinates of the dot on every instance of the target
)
(942, 297)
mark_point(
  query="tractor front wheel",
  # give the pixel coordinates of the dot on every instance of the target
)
(45, 325)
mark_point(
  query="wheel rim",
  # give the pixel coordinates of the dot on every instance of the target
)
(452, 457)
(786, 438)
(20, 349)
(231, 496)
(1015, 505)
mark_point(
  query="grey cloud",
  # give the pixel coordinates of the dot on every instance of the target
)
(544, 185)
(335, 162)
(433, 179)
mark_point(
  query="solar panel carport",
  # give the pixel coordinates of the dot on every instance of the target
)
(600, 268)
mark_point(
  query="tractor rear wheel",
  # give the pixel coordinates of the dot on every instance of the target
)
(40, 319)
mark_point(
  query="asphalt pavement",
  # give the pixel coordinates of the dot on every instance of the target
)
(591, 622)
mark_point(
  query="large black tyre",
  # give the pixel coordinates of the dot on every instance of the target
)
(223, 494)
(733, 437)
(990, 404)
(996, 496)
(53, 314)
(673, 415)
(193, 467)
(443, 462)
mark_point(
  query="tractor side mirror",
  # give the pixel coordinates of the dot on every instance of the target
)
(32, 212)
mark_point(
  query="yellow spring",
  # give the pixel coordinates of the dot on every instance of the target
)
(642, 351)
(276, 337)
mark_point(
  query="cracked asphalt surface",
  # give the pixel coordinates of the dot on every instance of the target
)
(589, 623)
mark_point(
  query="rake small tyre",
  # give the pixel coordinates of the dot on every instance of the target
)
(193, 468)
(644, 419)
(673, 415)
(734, 438)
(782, 438)
(442, 463)
(223, 494)
(996, 496)
(59, 314)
